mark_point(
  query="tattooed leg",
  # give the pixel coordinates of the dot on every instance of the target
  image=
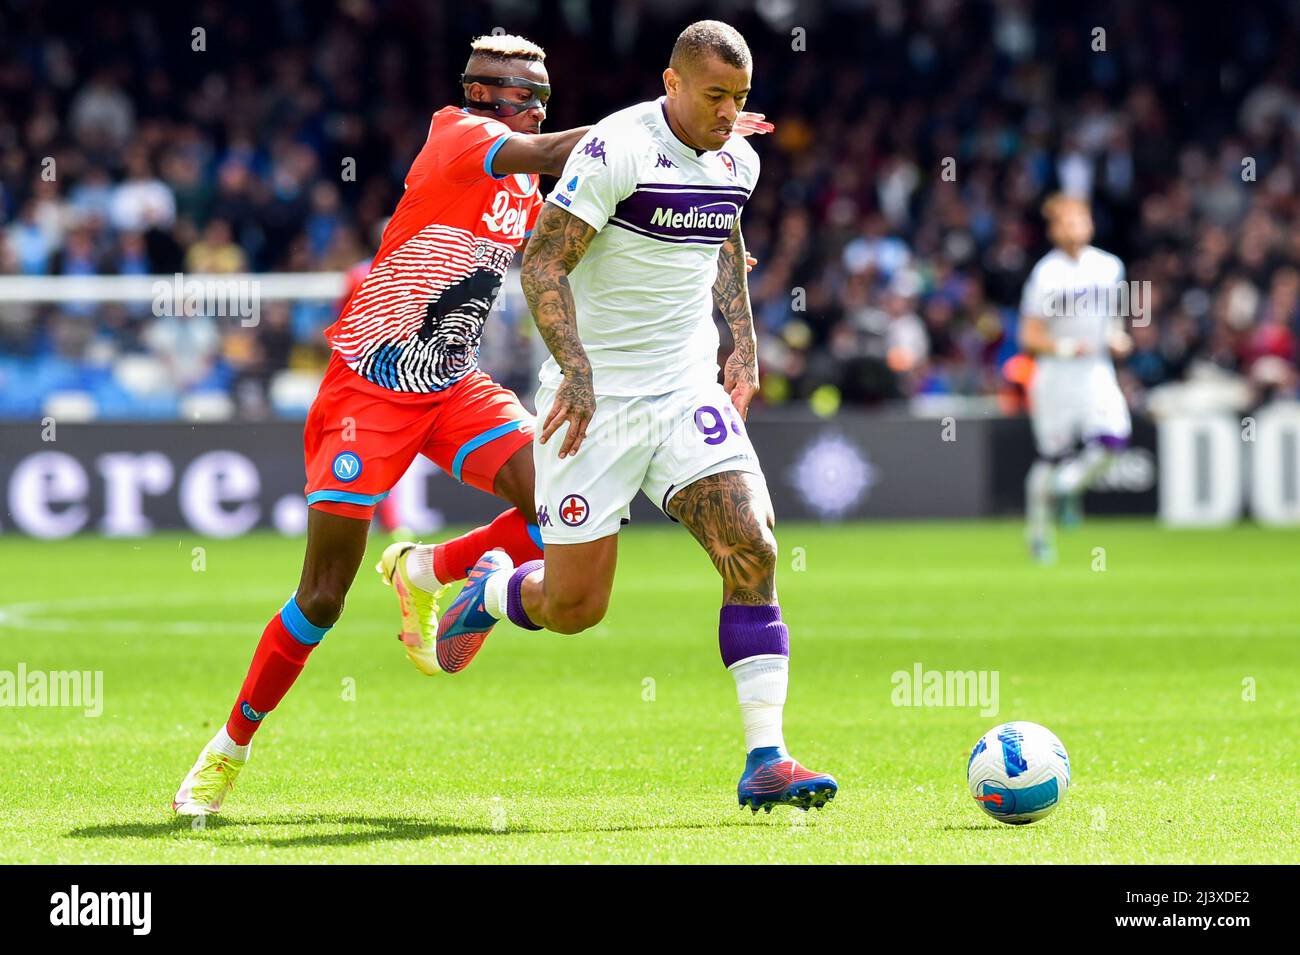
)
(730, 514)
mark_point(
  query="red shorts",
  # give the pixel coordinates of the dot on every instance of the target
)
(360, 437)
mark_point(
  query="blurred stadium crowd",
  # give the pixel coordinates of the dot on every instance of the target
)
(879, 278)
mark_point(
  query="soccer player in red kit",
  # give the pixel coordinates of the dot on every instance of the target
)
(403, 379)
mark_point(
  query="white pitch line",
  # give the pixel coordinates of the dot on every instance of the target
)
(28, 615)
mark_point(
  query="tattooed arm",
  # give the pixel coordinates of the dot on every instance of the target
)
(731, 295)
(558, 243)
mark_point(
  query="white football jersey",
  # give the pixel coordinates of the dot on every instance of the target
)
(1077, 298)
(644, 289)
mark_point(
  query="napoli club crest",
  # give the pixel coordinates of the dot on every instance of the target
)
(251, 714)
(346, 467)
(574, 510)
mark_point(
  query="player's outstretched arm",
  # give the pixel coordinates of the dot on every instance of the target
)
(731, 295)
(544, 153)
(750, 124)
(558, 243)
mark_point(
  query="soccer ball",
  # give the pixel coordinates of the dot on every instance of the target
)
(1018, 772)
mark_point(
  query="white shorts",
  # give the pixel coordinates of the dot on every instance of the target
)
(1072, 405)
(657, 444)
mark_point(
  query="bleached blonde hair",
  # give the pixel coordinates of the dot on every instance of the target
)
(506, 46)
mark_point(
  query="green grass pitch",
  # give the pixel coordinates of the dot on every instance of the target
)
(1168, 663)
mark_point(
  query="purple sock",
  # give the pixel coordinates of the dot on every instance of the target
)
(745, 631)
(515, 600)
(1111, 442)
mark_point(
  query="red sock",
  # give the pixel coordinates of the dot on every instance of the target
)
(277, 661)
(510, 531)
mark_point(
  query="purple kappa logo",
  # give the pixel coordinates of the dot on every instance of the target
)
(665, 162)
(595, 149)
(543, 519)
(574, 510)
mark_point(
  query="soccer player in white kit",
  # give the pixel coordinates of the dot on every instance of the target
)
(633, 249)
(1071, 324)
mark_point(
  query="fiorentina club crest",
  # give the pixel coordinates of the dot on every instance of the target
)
(729, 161)
(574, 510)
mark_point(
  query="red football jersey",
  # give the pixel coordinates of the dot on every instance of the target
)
(415, 321)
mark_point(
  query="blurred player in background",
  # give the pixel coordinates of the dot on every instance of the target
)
(1070, 325)
(634, 248)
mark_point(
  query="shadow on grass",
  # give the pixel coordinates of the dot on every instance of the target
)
(372, 829)
(974, 827)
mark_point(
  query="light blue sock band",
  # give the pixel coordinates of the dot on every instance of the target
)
(299, 627)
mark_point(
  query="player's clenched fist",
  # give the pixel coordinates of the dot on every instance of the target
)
(575, 402)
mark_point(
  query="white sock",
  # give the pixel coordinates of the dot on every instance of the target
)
(419, 567)
(1077, 474)
(761, 687)
(494, 592)
(223, 744)
(1038, 499)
